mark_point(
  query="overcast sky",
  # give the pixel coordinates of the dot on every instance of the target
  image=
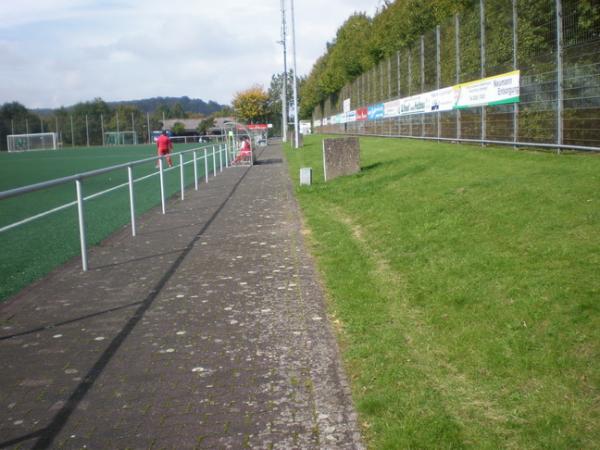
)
(59, 52)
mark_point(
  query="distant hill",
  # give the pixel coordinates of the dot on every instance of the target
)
(149, 105)
(190, 105)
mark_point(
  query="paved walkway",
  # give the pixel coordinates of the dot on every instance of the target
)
(208, 330)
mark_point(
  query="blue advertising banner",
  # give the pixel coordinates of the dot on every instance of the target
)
(376, 111)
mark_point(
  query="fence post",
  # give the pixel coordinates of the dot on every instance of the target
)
(438, 73)
(162, 184)
(131, 199)
(482, 50)
(389, 77)
(226, 150)
(206, 166)
(422, 81)
(220, 159)
(181, 176)
(399, 72)
(457, 63)
(409, 59)
(559, 74)
(515, 65)
(214, 162)
(195, 171)
(80, 214)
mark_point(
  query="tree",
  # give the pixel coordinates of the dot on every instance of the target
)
(205, 125)
(251, 105)
(177, 112)
(275, 99)
(15, 116)
(178, 129)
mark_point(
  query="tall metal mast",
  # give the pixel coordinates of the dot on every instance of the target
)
(284, 112)
(296, 144)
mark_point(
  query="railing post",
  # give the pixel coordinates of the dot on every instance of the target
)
(214, 162)
(226, 150)
(181, 176)
(162, 184)
(131, 199)
(220, 158)
(80, 214)
(195, 171)
(206, 166)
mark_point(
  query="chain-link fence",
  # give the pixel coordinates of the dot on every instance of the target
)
(554, 43)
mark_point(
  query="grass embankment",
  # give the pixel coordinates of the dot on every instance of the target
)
(466, 286)
(32, 250)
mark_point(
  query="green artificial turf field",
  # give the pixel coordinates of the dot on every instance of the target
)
(464, 283)
(32, 250)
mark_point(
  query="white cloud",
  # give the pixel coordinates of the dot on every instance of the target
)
(59, 52)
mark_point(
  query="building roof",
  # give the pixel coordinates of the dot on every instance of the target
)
(191, 125)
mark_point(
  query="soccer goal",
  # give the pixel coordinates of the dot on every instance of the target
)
(120, 138)
(32, 141)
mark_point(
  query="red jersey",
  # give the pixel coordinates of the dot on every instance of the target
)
(164, 143)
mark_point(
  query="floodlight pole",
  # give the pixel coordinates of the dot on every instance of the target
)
(87, 131)
(149, 133)
(284, 112)
(296, 143)
(102, 125)
(72, 132)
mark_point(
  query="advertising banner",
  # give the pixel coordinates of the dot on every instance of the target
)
(441, 100)
(498, 90)
(362, 114)
(351, 116)
(346, 105)
(412, 105)
(391, 109)
(376, 111)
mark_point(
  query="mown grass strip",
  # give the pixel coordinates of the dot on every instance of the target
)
(465, 282)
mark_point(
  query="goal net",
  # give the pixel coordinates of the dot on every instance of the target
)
(120, 138)
(32, 141)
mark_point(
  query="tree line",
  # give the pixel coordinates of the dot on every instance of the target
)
(83, 122)
(362, 42)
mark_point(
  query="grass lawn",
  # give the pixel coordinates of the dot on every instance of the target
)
(465, 285)
(32, 250)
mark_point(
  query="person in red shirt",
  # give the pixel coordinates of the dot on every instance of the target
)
(165, 145)
(245, 151)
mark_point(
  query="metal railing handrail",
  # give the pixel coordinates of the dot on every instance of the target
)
(80, 176)
(217, 151)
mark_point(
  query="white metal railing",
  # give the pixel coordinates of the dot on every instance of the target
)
(220, 152)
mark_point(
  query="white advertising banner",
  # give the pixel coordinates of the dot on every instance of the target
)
(391, 109)
(497, 90)
(347, 105)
